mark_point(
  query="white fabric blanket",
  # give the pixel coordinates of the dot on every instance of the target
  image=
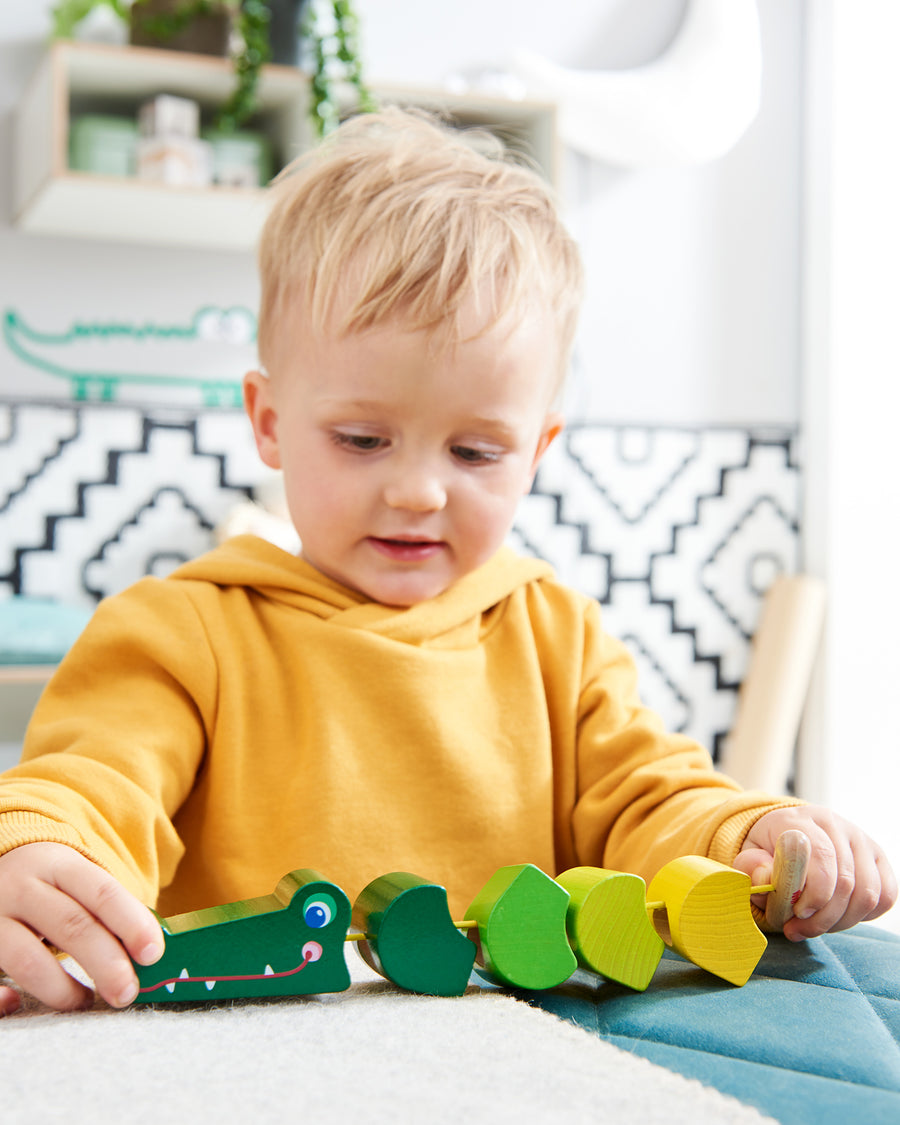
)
(372, 1054)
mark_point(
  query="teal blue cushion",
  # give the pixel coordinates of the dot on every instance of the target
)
(814, 1036)
(38, 630)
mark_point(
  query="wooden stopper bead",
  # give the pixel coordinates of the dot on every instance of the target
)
(792, 853)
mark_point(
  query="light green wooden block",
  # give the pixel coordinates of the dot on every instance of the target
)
(608, 925)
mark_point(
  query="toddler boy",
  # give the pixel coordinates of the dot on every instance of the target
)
(406, 694)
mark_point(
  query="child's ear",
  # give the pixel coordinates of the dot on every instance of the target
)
(263, 417)
(553, 425)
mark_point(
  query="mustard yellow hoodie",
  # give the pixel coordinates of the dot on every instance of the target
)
(246, 716)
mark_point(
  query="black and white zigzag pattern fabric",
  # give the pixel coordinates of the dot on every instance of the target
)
(677, 532)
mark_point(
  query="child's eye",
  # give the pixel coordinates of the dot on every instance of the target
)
(475, 456)
(359, 443)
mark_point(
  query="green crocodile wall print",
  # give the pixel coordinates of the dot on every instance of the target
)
(205, 356)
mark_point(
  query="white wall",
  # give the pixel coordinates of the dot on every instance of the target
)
(693, 286)
(692, 312)
(851, 748)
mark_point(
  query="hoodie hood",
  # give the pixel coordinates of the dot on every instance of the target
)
(249, 561)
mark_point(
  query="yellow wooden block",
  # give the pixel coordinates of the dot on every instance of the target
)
(608, 926)
(709, 918)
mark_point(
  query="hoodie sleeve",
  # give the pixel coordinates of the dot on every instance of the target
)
(117, 739)
(645, 796)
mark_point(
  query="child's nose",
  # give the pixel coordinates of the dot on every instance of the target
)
(416, 491)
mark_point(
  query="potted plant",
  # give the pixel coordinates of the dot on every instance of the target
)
(205, 25)
(199, 26)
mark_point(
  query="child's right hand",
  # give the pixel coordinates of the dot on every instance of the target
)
(51, 892)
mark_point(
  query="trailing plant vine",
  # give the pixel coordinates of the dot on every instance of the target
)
(335, 59)
(253, 26)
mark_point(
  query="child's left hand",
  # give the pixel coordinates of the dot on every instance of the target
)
(849, 878)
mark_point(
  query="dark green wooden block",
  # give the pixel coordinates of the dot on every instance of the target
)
(410, 936)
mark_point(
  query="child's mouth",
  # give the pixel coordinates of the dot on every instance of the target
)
(407, 550)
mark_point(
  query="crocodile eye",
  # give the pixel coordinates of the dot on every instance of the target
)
(319, 911)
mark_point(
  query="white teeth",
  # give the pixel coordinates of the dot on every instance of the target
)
(181, 976)
(210, 985)
(270, 972)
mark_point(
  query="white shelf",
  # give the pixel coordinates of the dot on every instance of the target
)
(49, 198)
(110, 208)
(25, 673)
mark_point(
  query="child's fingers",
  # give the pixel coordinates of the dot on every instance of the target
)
(33, 966)
(757, 864)
(52, 892)
(105, 899)
(785, 871)
(874, 889)
(849, 879)
(856, 894)
(829, 879)
(69, 926)
(826, 889)
(10, 1000)
(92, 917)
(889, 889)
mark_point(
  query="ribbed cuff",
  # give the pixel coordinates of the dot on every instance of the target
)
(729, 837)
(23, 826)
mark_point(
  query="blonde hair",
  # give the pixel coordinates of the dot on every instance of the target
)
(396, 214)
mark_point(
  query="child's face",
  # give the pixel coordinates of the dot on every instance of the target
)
(403, 463)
